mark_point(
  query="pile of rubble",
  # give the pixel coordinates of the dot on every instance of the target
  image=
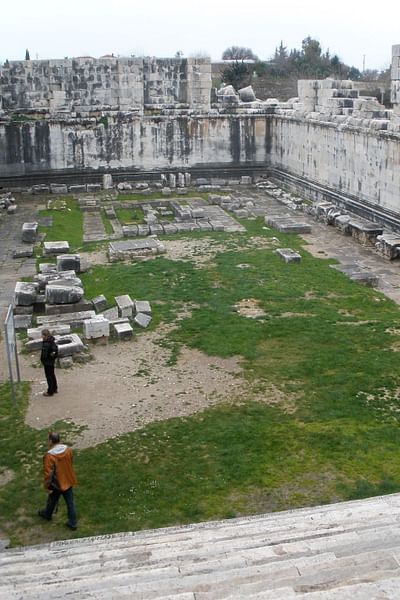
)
(55, 300)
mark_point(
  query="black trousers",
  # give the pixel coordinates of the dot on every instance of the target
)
(51, 379)
(51, 504)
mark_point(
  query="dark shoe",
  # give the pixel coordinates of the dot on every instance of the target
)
(47, 394)
(73, 527)
(56, 391)
(41, 513)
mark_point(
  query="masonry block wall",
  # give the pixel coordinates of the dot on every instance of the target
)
(148, 143)
(81, 85)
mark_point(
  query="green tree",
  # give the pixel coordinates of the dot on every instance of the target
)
(27, 56)
(238, 53)
(237, 74)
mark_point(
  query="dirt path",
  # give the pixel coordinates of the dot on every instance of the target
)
(128, 385)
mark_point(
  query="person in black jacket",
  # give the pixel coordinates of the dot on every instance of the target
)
(48, 358)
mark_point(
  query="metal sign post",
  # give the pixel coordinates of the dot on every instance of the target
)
(11, 348)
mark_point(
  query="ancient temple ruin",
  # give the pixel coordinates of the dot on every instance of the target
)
(135, 115)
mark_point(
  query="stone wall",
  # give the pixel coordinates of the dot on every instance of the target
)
(148, 143)
(361, 163)
(81, 85)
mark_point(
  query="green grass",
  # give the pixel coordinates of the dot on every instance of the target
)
(129, 215)
(106, 222)
(67, 224)
(327, 343)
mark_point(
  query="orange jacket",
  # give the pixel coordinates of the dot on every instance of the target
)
(60, 458)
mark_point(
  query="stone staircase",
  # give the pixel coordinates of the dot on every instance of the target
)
(334, 552)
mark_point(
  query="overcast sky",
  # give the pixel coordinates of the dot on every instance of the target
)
(354, 30)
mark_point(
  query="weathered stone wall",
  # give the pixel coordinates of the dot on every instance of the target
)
(149, 143)
(81, 85)
(361, 163)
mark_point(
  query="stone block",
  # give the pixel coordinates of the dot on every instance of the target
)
(22, 321)
(107, 181)
(288, 255)
(25, 293)
(77, 189)
(47, 268)
(23, 252)
(29, 232)
(93, 187)
(69, 262)
(142, 319)
(125, 305)
(74, 319)
(58, 188)
(99, 303)
(66, 362)
(23, 310)
(63, 278)
(12, 209)
(169, 228)
(61, 309)
(61, 294)
(68, 344)
(96, 328)
(124, 331)
(40, 189)
(142, 306)
(55, 248)
(111, 313)
(35, 333)
(130, 230)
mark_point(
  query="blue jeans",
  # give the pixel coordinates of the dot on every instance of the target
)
(52, 500)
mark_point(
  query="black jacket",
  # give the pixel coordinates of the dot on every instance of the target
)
(49, 352)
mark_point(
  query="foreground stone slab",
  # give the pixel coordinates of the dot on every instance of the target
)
(25, 293)
(74, 319)
(288, 255)
(62, 294)
(29, 232)
(59, 309)
(54, 248)
(35, 333)
(287, 224)
(131, 249)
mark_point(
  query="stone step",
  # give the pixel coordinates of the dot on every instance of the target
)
(316, 550)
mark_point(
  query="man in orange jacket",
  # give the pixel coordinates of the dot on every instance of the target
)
(59, 478)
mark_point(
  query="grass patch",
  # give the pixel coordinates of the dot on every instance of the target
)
(323, 339)
(67, 223)
(106, 222)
